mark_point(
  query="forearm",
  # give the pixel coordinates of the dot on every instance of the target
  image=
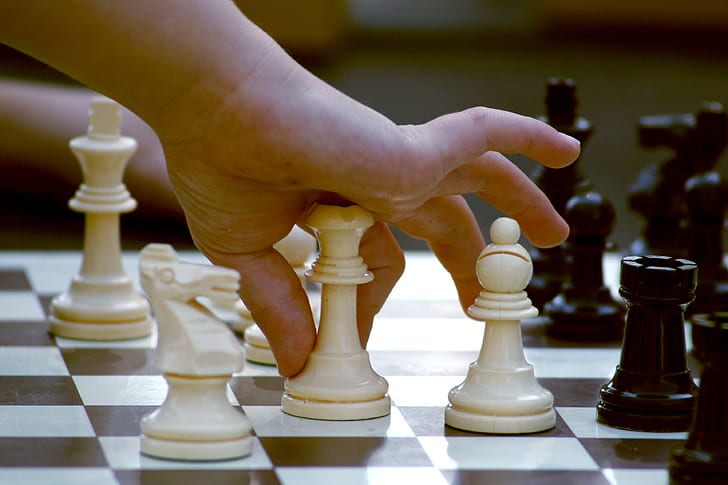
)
(36, 123)
(148, 55)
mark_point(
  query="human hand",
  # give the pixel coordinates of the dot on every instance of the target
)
(253, 141)
(246, 171)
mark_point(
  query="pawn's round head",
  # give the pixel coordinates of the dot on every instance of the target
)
(505, 230)
(504, 266)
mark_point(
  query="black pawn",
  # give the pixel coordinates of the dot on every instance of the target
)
(703, 459)
(707, 199)
(559, 185)
(652, 388)
(584, 310)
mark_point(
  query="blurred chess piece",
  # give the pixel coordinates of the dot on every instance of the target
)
(233, 313)
(297, 248)
(703, 458)
(101, 302)
(707, 199)
(658, 193)
(584, 309)
(197, 355)
(500, 393)
(559, 185)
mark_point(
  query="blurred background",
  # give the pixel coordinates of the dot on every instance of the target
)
(414, 60)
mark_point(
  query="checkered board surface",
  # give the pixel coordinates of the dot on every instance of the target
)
(70, 410)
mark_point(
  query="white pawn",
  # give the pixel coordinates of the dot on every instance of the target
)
(297, 248)
(500, 393)
(197, 355)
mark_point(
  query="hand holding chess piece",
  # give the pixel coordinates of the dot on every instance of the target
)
(500, 393)
(197, 354)
(338, 382)
(297, 248)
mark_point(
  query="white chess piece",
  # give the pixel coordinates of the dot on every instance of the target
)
(197, 354)
(233, 313)
(338, 382)
(297, 248)
(101, 303)
(500, 393)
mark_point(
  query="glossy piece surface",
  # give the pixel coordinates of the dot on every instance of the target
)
(652, 388)
(704, 456)
(584, 310)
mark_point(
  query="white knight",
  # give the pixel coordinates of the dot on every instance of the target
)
(197, 354)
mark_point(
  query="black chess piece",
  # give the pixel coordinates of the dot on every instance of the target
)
(704, 334)
(658, 194)
(559, 185)
(703, 458)
(584, 310)
(707, 201)
(652, 388)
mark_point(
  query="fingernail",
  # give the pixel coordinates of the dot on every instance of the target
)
(571, 139)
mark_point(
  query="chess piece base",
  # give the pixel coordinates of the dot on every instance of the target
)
(257, 349)
(259, 355)
(648, 420)
(483, 423)
(335, 411)
(196, 422)
(584, 322)
(693, 467)
(542, 290)
(102, 310)
(196, 450)
(500, 401)
(101, 331)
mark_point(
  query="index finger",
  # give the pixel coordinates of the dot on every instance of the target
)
(450, 229)
(496, 180)
(460, 137)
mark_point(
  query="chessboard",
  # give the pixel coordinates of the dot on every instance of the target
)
(70, 410)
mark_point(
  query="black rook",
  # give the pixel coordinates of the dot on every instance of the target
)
(652, 389)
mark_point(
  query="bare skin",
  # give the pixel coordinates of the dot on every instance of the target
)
(37, 120)
(253, 141)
